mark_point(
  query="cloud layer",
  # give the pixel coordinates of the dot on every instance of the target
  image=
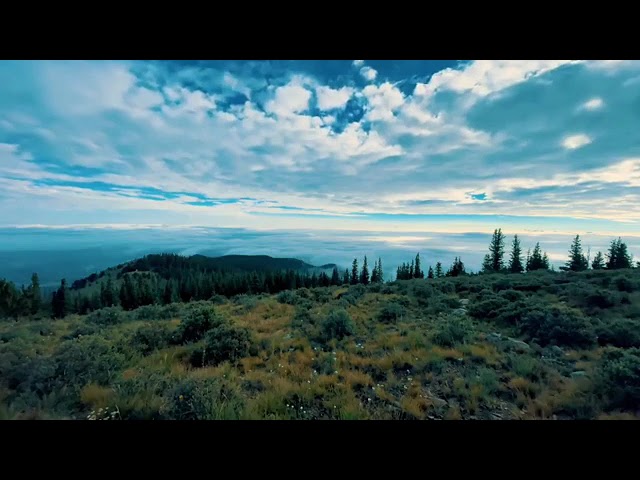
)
(346, 145)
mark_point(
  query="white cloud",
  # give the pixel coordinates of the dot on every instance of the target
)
(358, 63)
(593, 104)
(368, 73)
(289, 100)
(383, 101)
(329, 98)
(573, 142)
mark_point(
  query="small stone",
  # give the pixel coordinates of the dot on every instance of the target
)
(578, 374)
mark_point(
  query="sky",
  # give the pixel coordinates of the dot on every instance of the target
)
(399, 148)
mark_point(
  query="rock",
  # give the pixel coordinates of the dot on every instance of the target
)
(460, 311)
(556, 350)
(578, 374)
(464, 302)
(437, 402)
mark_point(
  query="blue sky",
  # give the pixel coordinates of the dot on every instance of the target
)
(545, 146)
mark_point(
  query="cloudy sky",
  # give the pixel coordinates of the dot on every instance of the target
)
(545, 146)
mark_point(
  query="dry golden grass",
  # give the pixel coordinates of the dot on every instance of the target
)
(446, 353)
(249, 364)
(130, 373)
(416, 407)
(96, 396)
(485, 353)
(521, 385)
(356, 379)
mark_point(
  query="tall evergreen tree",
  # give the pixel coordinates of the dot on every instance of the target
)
(430, 274)
(36, 295)
(618, 255)
(167, 294)
(456, 269)
(496, 251)
(411, 268)
(577, 261)
(355, 275)
(537, 261)
(380, 273)
(374, 273)
(364, 275)
(59, 300)
(335, 276)
(598, 261)
(515, 263)
(346, 279)
(438, 270)
(417, 271)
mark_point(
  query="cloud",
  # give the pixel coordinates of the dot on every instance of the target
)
(329, 98)
(368, 73)
(576, 141)
(595, 103)
(308, 145)
(358, 63)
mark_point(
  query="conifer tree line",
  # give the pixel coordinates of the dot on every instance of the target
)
(169, 278)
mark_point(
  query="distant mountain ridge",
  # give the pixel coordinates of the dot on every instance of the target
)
(165, 264)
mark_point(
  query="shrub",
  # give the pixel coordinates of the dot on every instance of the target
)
(525, 366)
(225, 342)
(601, 299)
(453, 332)
(623, 333)
(338, 324)
(248, 302)
(488, 308)
(107, 316)
(288, 297)
(624, 284)
(218, 299)
(512, 295)
(619, 378)
(148, 312)
(87, 360)
(151, 337)
(559, 327)
(197, 323)
(391, 313)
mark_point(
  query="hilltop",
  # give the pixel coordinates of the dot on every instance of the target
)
(562, 345)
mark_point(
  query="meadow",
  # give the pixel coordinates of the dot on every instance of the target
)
(545, 345)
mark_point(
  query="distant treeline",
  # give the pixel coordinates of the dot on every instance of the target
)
(168, 278)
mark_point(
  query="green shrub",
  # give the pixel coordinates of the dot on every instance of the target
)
(525, 366)
(87, 360)
(288, 297)
(511, 295)
(151, 337)
(218, 299)
(338, 324)
(197, 323)
(452, 333)
(225, 342)
(556, 326)
(488, 308)
(391, 313)
(619, 378)
(623, 333)
(248, 302)
(624, 284)
(107, 316)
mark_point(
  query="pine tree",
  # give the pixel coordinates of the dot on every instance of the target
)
(374, 273)
(618, 255)
(380, 273)
(515, 264)
(577, 261)
(430, 274)
(335, 276)
(598, 261)
(167, 295)
(456, 269)
(59, 300)
(417, 272)
(36, 295)
(496, 251)
(438, 270)
(537, 261)
(354, 272)
(364, 275)
(411, 268)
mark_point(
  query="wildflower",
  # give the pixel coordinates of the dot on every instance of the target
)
(181, 397)
(369, 399)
